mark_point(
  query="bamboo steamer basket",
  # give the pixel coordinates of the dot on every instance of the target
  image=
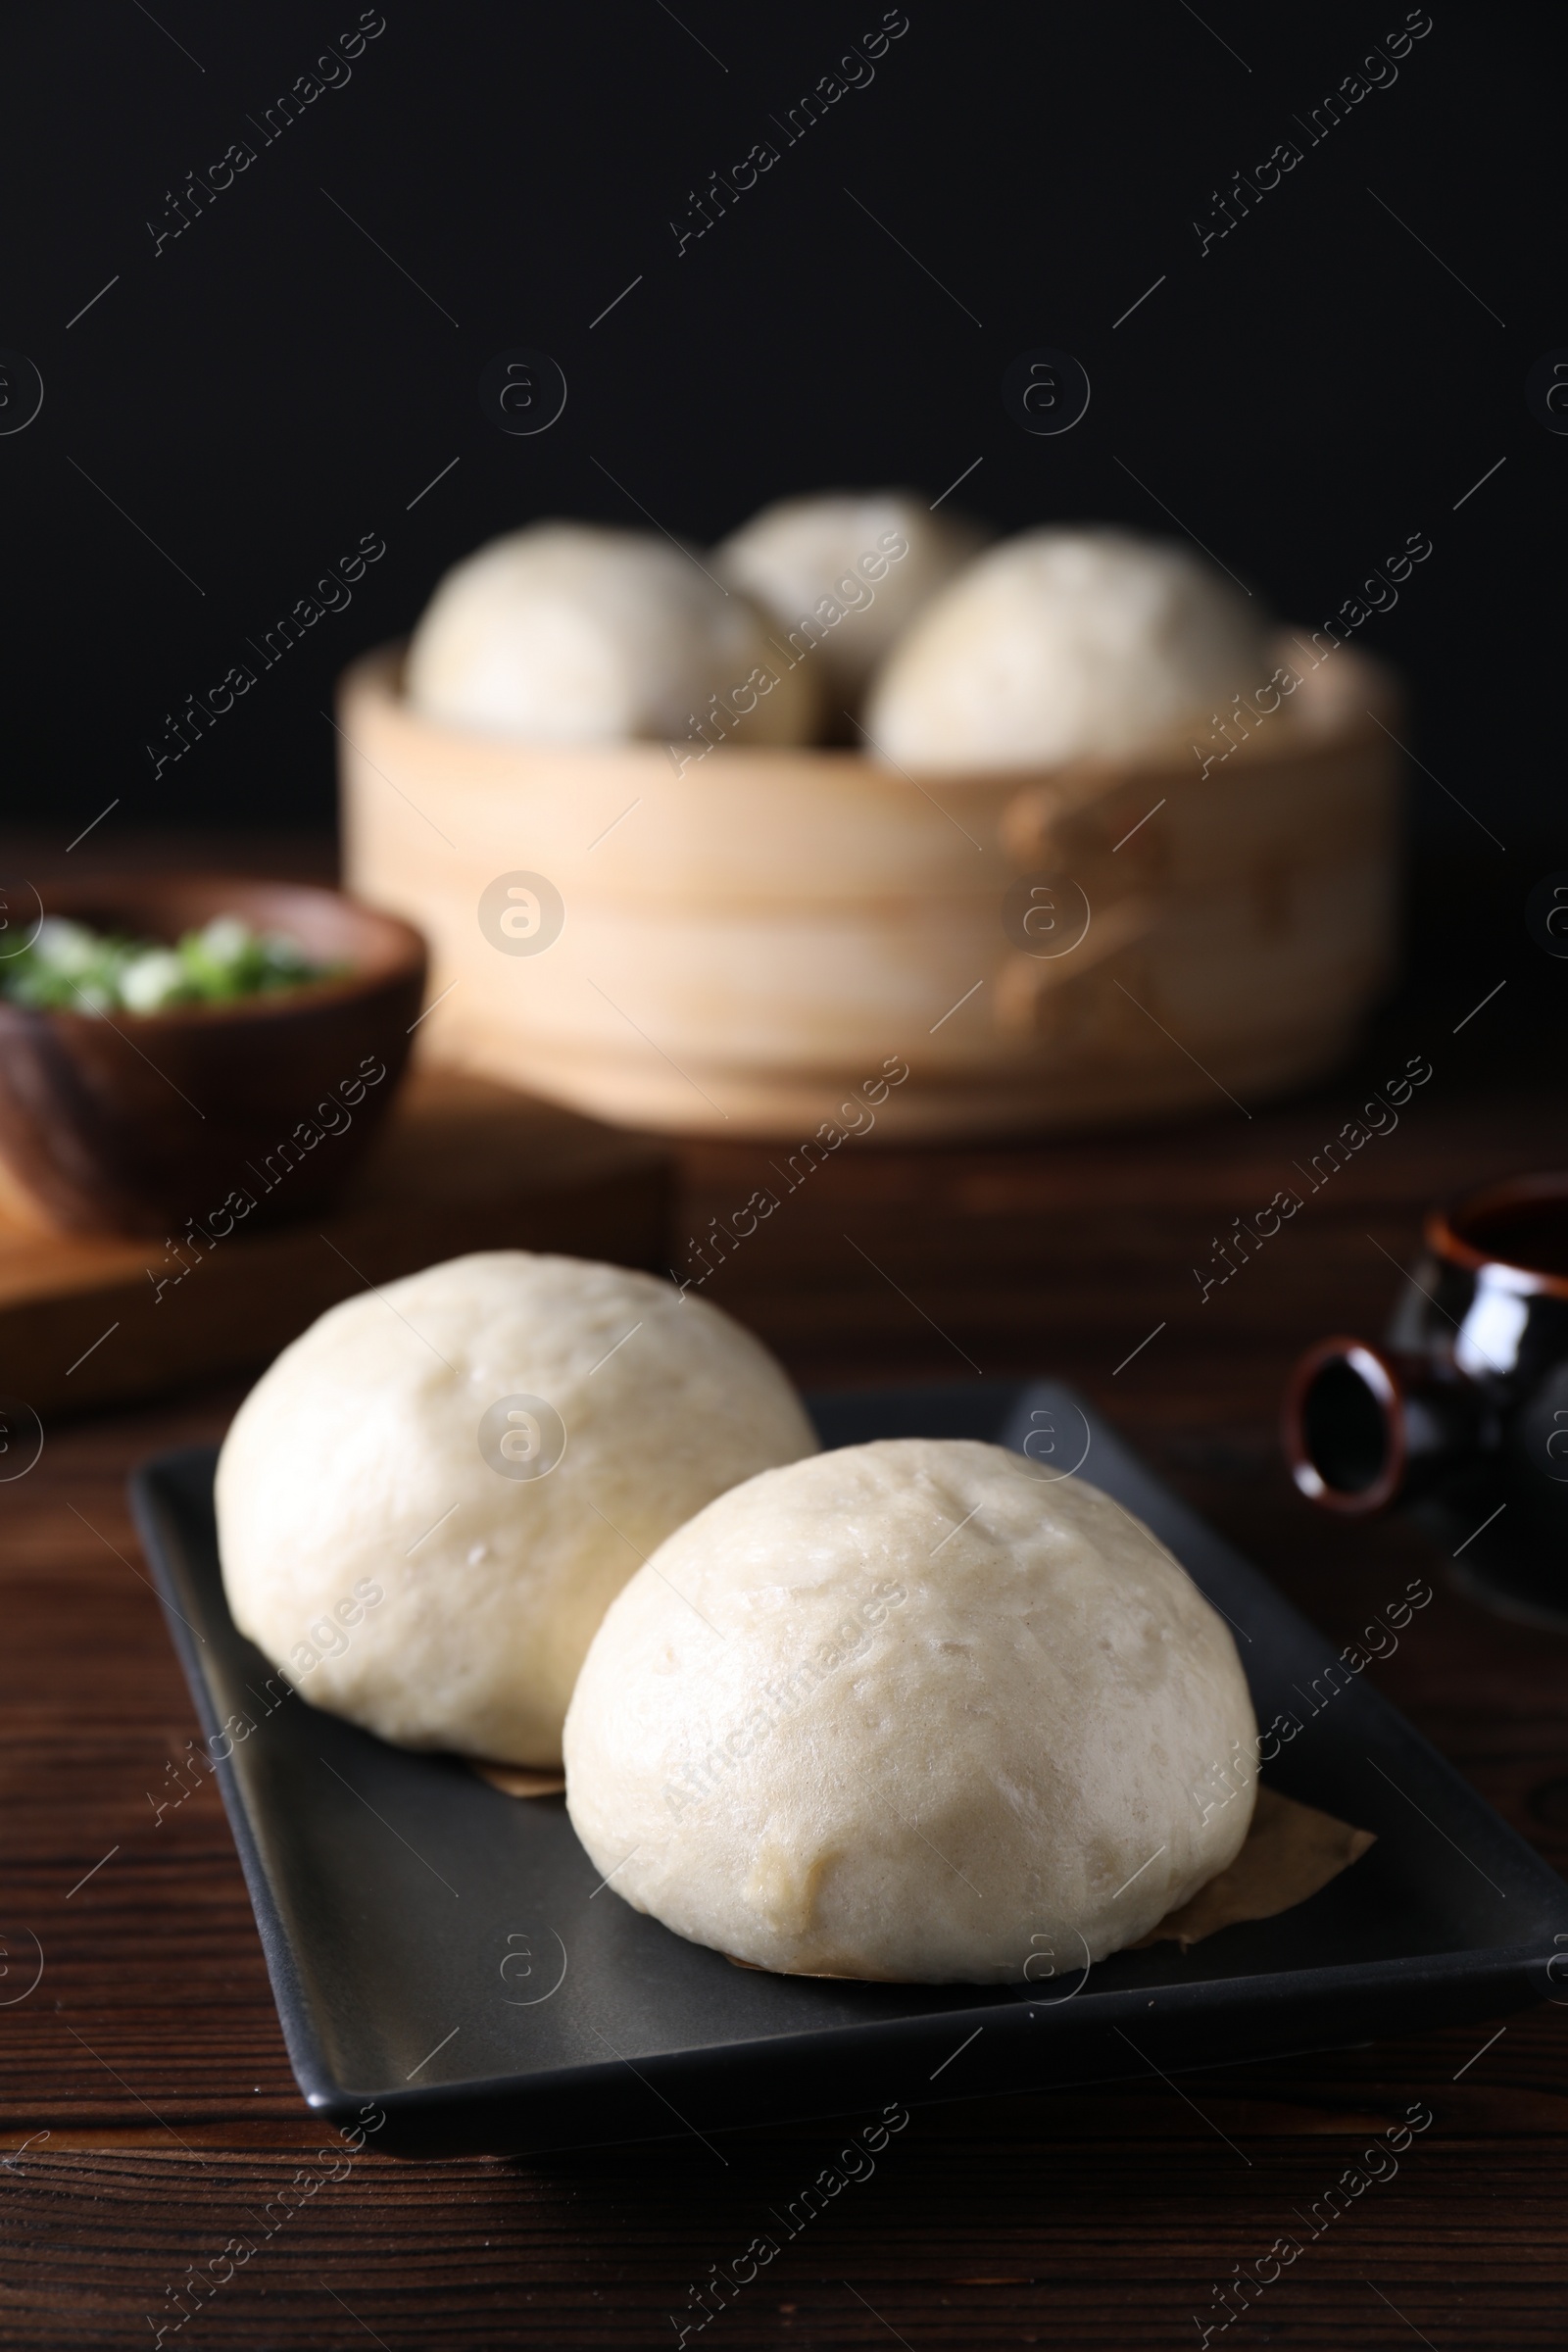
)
(747, 942)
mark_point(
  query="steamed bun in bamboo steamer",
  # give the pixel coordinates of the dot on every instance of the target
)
(844, 574)
(913, 1710)
(1061, 644)
(427, 1504)
(568, 633)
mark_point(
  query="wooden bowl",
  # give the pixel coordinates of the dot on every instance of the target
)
(207, 1115)
(755, 944)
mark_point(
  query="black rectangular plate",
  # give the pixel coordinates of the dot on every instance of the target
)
(446, 1952)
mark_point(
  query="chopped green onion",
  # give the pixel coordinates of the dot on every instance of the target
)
(72, 968)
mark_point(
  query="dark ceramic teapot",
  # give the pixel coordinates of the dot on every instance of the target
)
(1463, 1409)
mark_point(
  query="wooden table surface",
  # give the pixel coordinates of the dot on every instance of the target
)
(148, 2109)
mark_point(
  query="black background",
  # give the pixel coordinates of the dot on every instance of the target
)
(270, 386)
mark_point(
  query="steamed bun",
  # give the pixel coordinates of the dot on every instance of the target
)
(410, 1551)
(908, 1711)
(844, 574)
(567, 632)
(1065, 643)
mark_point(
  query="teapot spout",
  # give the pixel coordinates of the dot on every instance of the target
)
(1365, 1428)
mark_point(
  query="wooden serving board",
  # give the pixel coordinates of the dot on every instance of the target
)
(463, 1164)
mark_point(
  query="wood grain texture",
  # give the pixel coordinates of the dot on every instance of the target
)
(150, 2050)
(748, 938)
(137, 1125)
(462, 1165)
